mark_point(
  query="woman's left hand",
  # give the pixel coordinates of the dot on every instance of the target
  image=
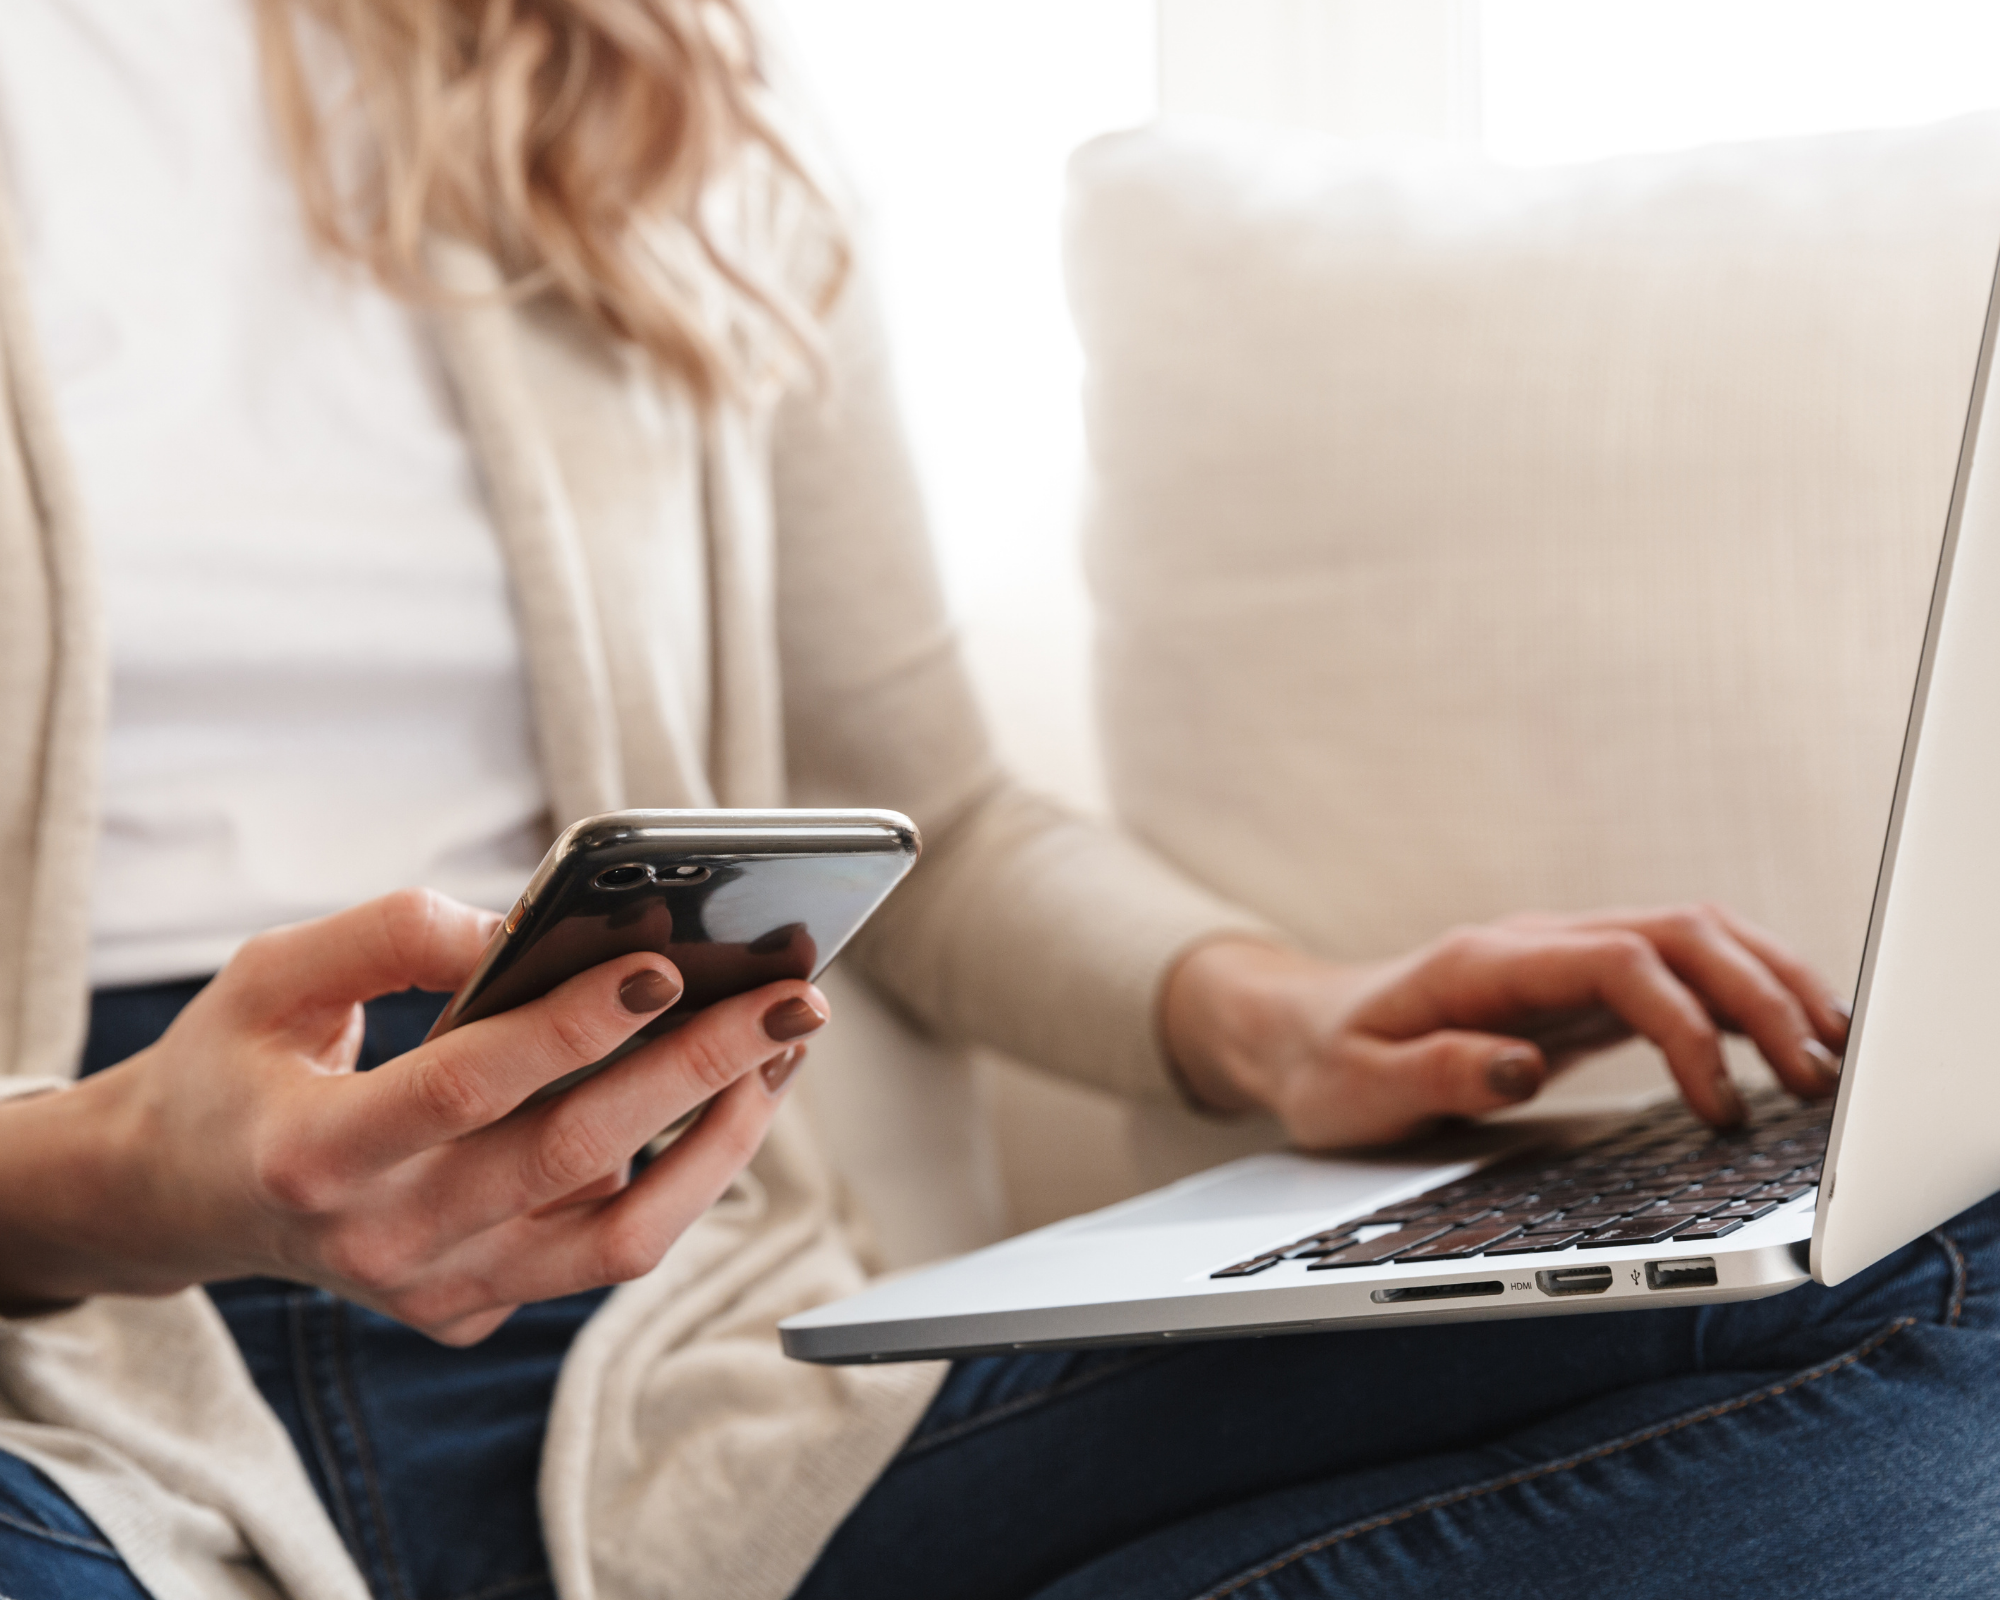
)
(1372, 1052)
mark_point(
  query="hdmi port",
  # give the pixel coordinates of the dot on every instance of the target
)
(1437, 1291)
(1574, 1280)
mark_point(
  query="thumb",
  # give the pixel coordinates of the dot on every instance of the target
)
(1457, 1073)
(414, 938)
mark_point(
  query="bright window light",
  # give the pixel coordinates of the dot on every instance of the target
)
(955, 122)
(1571, 80)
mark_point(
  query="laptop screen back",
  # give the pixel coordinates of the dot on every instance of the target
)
(1916, 1133)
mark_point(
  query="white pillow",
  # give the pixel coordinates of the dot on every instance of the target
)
(1469, 540)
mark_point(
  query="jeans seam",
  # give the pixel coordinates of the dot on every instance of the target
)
(1960, 1277)
(1474, 1491)
(1035, 1397)
(506, 1586)
(72, 1541)
(309, 1403)
(364, 1458)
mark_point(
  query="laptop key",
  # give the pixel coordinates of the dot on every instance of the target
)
(1412, 1210)
(1511, 1199)
(1604, 1210)
(1641, 1230)
(1530, 1243)
(1564, 1196)
(1462, 1242)
(1459, 1216)
(1746, 1210)
(1245, 1269)
(1721, 1189)
(1710, 1228)
(1313, 1249)
(1716, 1194)
(1376, 1251)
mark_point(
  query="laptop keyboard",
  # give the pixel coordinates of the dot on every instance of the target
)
(1665, 1176)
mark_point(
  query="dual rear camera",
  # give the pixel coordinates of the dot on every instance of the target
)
(637, 874)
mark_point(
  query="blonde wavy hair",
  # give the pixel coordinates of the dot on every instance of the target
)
(623, 154)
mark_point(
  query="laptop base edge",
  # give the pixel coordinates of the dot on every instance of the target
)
(1635, 1282)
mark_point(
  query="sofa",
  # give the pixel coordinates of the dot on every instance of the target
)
(1463, 540)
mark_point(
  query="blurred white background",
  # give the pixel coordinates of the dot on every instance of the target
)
(954, 120)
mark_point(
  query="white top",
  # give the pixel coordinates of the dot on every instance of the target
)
(317, 687)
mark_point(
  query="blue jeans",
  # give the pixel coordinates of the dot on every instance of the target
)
(1833, 1443)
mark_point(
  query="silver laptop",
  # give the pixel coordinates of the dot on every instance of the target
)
(1538, 1219)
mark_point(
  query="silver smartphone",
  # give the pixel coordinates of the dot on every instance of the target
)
(735, 899)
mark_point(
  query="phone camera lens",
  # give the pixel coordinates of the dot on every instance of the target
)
(625, 877)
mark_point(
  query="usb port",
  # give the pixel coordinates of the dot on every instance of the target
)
(1574, 1280)
(1696, 1272)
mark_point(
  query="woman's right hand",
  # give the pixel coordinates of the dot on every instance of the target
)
(243, 1142)
(1357, 1053)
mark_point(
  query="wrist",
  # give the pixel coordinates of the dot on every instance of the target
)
(1236, 1012)
(65, 1229)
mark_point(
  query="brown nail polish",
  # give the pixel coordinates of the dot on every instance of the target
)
(792, 1019)
(1729, 1102)
(1823, 1060)
(648, 990)
(1514, 1074)
(779, 1069)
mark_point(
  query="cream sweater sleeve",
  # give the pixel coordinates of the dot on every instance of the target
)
(1023, 926)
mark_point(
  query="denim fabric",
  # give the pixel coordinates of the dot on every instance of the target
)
(49, 1550)
(426, 1457)
(1838, 1443)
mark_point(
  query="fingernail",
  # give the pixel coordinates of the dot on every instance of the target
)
(1844, 1007)
(1514, 1074)
(1728, 1101)
(1824, 1061)
(649, 989)
(779, 1069)
(792, 1019)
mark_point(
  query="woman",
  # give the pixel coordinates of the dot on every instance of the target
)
(448, 418)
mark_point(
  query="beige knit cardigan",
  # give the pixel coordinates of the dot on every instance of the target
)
(686, 1457)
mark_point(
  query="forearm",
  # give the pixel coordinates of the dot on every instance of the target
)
(1046, 936)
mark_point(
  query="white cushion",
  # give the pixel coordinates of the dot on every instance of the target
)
(1468, 540)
